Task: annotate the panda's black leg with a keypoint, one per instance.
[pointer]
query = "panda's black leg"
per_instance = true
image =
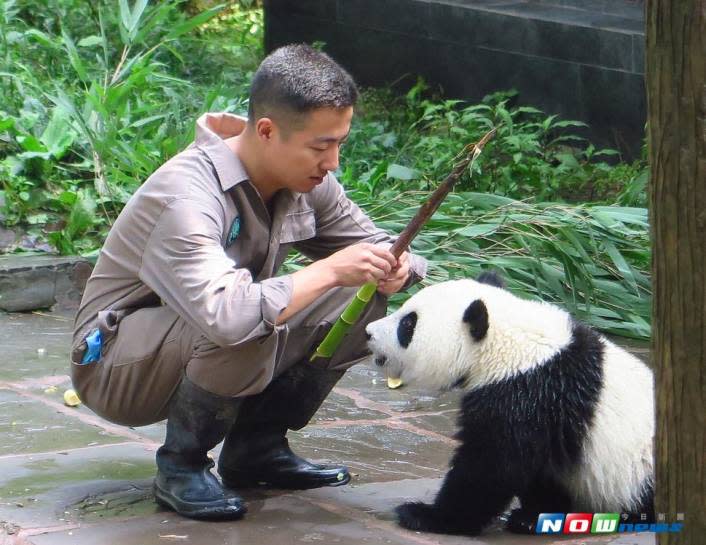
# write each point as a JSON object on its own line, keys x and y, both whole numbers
{"x": 544, "y": 495}
{"x": 647, "y": 504}
{"x": 468, "y": 501}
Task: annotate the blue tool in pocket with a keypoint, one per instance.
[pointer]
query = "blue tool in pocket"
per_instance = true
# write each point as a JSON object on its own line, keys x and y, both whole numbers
{"x": 94, "y": 343}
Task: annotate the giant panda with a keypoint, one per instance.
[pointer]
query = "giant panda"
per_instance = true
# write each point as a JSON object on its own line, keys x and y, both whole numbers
{"x": 552, "y": 412}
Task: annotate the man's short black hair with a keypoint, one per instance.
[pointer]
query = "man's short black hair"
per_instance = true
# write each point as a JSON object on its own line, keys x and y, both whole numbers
{"x": 296, "y": 79}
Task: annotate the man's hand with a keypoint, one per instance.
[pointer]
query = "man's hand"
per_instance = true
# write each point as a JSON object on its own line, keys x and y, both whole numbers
{"x": 394, "y": 281}
{"x": 351, "y": 267}
{"x": 358, "y": 264}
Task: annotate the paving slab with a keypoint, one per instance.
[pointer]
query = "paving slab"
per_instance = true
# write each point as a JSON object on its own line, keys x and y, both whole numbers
{"x": 340, "y": 407}
{"x": 442, "y": 422}
{"x": 69, "y": 477}
{"x": 28, "y": 425}
{"x": 34, "y": 344}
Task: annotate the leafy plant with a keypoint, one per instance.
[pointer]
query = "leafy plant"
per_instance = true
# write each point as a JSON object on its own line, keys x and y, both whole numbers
{"x": 116, "y": 105}
{"x": 532, "y": 155}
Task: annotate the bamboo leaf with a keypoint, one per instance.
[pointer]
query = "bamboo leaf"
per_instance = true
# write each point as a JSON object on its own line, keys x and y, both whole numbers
{"x": 31, "y": 144}
{"x": 147, "y": 120}
{"x": 74, "y": 57}
{"x": 478, "y": 230}
{"x": 136, "y": 15}
{"x": 194, "y": 22}
{"x": 41, "y": 37}
{"x": 90, "y": 41}
{"x": 622, "y": 265}
{"x": 58, "y": 134}
{"x": 400, "y": 172}
{"x": 125, "y": 15}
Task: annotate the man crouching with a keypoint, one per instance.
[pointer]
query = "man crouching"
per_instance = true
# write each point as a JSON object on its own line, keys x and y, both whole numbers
{"x": 184, "y": 317}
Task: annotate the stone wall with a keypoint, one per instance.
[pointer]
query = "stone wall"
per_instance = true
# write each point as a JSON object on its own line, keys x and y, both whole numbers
{"x": 581, "y": 59}
{"x": 41, "y": 282}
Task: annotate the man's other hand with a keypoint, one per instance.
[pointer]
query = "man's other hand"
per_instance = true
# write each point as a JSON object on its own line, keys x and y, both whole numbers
{"x": 396, "y": 278}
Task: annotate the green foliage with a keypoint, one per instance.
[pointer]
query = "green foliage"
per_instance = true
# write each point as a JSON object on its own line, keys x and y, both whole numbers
{"x": 97, "y": 96}
{"x": 532, "y": 156}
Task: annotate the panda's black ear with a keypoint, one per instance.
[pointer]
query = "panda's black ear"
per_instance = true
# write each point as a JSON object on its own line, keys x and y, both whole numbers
{"x": 476, "y": 316}
{"x": 491, "y": 278}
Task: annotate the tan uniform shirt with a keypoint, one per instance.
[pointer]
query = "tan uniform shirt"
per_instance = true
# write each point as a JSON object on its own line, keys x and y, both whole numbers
{"x": 197, "y": 236}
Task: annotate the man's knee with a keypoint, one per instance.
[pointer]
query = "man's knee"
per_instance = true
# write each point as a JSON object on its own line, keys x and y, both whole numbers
{"x": 129, "y": 395}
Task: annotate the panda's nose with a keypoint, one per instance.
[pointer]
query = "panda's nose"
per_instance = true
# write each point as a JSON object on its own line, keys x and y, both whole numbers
{"x": 368, "y": 336}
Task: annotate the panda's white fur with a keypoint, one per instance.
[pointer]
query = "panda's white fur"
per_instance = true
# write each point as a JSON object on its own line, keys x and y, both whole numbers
{"x": 618, "y": 459}
{"x": 615, "y": 467}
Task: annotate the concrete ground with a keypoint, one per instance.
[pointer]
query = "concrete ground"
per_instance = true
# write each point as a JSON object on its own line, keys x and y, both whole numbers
{"x": 69, "y": 477}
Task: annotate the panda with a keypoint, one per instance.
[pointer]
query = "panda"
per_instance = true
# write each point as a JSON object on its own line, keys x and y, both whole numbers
{"x": 552, "y": 412}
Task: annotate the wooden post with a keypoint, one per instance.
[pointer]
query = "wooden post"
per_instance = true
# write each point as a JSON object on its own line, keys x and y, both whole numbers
{"x": 676, "y": 91}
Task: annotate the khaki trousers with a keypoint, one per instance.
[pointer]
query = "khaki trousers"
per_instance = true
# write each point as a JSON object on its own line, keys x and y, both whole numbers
{"x": 146, "y": 352}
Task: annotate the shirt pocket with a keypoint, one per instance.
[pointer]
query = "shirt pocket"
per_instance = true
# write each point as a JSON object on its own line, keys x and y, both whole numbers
{"x": 296, "y": 226}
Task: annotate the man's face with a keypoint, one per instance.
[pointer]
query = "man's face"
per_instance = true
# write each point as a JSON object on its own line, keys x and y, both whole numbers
{"x": 300, "y": 159}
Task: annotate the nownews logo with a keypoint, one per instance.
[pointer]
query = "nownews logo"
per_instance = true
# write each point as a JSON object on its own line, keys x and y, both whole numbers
{"x": 598, "y": 523}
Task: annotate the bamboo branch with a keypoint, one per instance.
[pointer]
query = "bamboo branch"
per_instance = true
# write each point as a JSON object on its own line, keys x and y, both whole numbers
{"x": 425, "y": 212}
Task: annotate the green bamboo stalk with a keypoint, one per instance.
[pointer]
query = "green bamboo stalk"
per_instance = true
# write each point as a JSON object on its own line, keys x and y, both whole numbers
{"x": 349, "y": 317}
{"x": 355, "y": 308}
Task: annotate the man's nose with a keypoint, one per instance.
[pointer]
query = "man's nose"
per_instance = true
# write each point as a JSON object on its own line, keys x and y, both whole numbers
{"x": 330, "y": 161}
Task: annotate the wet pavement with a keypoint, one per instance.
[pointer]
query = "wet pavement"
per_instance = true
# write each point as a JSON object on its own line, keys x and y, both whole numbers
{"x": 69, "y": 477}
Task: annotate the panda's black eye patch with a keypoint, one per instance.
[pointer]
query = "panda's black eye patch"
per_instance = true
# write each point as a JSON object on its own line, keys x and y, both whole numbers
{"x": 405, "y": 329}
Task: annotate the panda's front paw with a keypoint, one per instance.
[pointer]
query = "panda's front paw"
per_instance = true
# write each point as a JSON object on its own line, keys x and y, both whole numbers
{"x": 417, "y": 516}
{"x": 422, "y": 517}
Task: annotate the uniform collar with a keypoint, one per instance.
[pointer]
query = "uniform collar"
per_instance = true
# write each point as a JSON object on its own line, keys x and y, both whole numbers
{"x": 211, "y": 131}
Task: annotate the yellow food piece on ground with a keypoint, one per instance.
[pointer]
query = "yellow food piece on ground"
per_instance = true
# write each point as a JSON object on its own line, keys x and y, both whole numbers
{"x": 71, "y": 398}
{"x": 394, "y": 382}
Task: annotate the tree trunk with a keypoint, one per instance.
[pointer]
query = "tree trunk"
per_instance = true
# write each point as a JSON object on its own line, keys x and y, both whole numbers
{"x": 676, "y": 93}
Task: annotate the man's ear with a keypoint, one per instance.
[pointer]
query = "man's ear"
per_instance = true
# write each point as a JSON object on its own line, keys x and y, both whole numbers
{"x": 476, "y": 316}
{"x": 265, "y": 128}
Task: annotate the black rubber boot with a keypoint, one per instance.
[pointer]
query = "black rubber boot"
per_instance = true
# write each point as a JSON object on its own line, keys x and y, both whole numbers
{"x": 197, "y": 421}
{"x": 256, "y": 452}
